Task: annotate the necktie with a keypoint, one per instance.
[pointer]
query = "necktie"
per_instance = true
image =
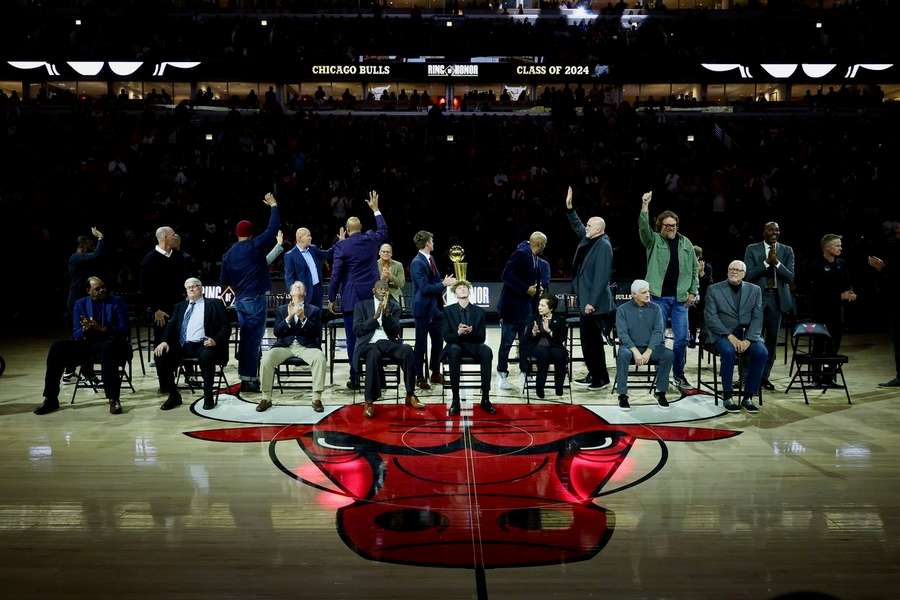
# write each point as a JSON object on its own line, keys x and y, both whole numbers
{"x": 184, "y": 323}
{"x": 434, "y": 270}
{"x": 464, "y": 316}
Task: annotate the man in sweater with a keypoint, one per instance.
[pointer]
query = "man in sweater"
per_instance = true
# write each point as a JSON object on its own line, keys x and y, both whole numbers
{"x": 246, "y": 272}
{"x": 592, "y": 268}
{"x": 673, "y": 273}
{"x": 162, "y": 280}
{"x": 639, "y": 324}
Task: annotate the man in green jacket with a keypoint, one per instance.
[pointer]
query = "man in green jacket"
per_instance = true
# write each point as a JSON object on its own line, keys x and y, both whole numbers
{"x": 673, "y": 273}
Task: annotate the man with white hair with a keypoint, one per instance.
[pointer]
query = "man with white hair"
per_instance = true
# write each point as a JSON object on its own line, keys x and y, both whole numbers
{"x": 733, "y": 317}
{"x": 162, "y": 278}
{"x": 641, "y": 330}
{"x": 298, "y": 327}
{"x": 199, "y": 328}
{"x": 591, "y": 270}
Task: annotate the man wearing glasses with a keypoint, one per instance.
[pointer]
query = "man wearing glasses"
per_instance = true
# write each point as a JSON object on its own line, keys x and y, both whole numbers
{"x": 673, "y": 274}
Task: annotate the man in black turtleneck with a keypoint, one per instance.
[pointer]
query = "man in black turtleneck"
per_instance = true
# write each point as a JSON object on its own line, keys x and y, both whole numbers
{"x": 733, "y": 317}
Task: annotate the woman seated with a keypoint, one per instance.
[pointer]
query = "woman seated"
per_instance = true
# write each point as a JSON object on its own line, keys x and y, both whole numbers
{"x": 548, "y": 344}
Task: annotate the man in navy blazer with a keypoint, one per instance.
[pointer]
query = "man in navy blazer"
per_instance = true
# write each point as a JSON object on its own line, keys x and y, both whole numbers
{"x": 770, "y": 265}
{"x": 303, "y": 263}
{"x": 100, "y": 329}
{"x": 353, "y": 272}
{"x": 522, "y": 280}
{"x": 733, "y": 317}
{"x": 427, "y": 308}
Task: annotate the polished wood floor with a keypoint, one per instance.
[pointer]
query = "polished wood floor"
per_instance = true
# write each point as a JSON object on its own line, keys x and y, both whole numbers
{"x": 100, "y": 506}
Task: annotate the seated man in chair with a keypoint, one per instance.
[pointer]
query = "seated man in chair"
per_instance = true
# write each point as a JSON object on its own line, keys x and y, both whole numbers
{"x": 198, "y": 328}
{"x": 463, "y": 331}
{"x": 100, "y": 329}
{"x": 376, "y": 324}
{"x": 733, "y": 316}
{"x": 641, "y": 330}
{"x": 298, "y": 327}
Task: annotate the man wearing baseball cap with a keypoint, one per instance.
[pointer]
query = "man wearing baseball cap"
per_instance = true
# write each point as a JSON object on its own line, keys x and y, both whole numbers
{"x": 246, "y": 272}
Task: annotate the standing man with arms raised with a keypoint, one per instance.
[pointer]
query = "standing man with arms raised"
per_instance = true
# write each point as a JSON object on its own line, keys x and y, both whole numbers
{"x": 246, "y": 272}
{"x": 303, "y": 263}
{"x": 354, "y": 273}
{"x": 770, "y": 265}
{"x": 591, "y": 270}
{"x": 673, "y": 273}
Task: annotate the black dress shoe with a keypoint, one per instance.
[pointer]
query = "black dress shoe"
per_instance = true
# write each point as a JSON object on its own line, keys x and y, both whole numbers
{"x": 453, "y": 410}
{"x": 250, "y": 387}
{"x": 173, "y": 401}
{"x": 115, "y": 407}
{"x": 208, "y": 403}
{"x": 487, "y": 407}
{"x": 353, "y": 385}
{"x": 539, "y": 392}
{"x": 47, "y": 407}
{"x": 767, "y": 385}
{"x": 895, "y": 382}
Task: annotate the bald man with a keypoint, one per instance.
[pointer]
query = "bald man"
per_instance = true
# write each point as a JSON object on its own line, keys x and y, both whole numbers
{"x": 303, "y": 263}
{"x": 521, "y": 285}
{"x": 162, "y": 279}
{"x": 591, "y": 270}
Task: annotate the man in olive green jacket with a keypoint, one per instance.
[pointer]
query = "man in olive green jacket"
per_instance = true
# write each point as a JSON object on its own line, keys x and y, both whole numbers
{"x": 673, "y": 274}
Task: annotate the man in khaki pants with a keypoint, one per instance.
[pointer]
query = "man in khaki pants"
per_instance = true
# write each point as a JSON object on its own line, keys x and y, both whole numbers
{"x": 298, "y": 327}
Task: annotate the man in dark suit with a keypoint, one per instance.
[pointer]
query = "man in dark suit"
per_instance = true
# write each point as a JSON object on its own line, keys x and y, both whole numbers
{"x": 733, "y": 317}
{"x": 198, "y": 328}
{"x": 770, "y": 265}
{"x": 303, "y": 263}
{"x": 354, "y": 272}
{"x": 464, "y": 332}
{"x": 592, "y": 269}
{"x": 518, "y": 302}
{"x": 298, "y": 327}
{"x": 376, "y": 322}
{"x": 427, "y": 303}
{"x": 100, "y": 329}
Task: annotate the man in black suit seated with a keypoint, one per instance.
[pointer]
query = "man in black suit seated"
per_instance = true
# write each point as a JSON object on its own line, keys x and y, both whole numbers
{"x": 100, "y": 329}
{"x": 376, "y": 324}
{"x": 298, "y": 327}
{"x": 464, "y": 333}
{"x": 198, "y": 328}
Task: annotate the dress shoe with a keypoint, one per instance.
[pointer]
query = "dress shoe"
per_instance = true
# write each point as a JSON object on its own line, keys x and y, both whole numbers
{"x": 895, "y": 382}
{"x": 115, "y": 407}
{"x": 454, "y": 409}
{"x": 369, "y": 411}
{"x": 661, "y": 399}
{"x": 539, "y": 392}
{"x": 209, "y": 403}
{"x": 318, "y": 406}
{"x": 353, "y": 385}
{"x": 437, "y": 378}
{"x": 264, "y": 405}
{"x": 422, "y": 384}
{"x": 172, "y": 401}
{"x": 412, "y": 401}
{"x": 623, "y": 402}
{"x": 747, "y": 404}
{"x": 767, "y": 385}
{"x": 250, "y": 387}
{"x": 487, "y": 407}
{"x": 47, "y": 407}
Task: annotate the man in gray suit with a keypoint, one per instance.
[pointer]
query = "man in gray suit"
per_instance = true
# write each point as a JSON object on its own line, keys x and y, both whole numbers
{"x": 770, "y": 265}
{"x": 734, "y": 319}
{"x": 592, "y": 268}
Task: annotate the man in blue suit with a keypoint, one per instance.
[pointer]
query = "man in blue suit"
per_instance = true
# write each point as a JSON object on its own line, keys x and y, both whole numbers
{"x": 354, "y": 271}
{"x": 427, "y": 306}
{"x": 522, "y": 282}
{"x": 100, "y": 329}
{"x": 303, "y": 263}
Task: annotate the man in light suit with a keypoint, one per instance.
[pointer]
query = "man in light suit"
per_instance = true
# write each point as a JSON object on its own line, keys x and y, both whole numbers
{"x": 592, "y": 269}
{"x": 427, "y": 304}
{"x": 517, "y": 306}
{"x": 733, "y": 317}
{"x": 376, "y": 322}
{"x": 353, "y": 271}
{"x": 198, "y": 328}
{"x": 464, "y": 332}
{"x": 303, "y": 263}
{"x": 770, "y": 265}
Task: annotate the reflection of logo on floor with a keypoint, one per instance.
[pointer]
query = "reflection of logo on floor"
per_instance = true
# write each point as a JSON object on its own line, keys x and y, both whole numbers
{"x": 512, "y": 489}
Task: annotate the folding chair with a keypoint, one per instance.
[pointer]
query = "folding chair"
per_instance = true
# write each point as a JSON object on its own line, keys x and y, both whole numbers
{"x": 713, "y": 353}
{"x": 818, "y": 366}
{"x": 469, "y": 375}
{"x": 94, "y": 382}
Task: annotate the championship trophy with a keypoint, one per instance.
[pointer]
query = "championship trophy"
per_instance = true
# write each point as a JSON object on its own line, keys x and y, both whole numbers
{"x": 457, "y": 256}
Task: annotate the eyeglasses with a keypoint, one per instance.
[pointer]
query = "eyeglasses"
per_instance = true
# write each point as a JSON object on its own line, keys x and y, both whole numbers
{"x": 736, "y": 270}
{"x": 669, "y": 225}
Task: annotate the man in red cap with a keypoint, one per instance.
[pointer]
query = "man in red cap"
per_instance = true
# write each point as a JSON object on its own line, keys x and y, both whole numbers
{"x": 245, "y": 270}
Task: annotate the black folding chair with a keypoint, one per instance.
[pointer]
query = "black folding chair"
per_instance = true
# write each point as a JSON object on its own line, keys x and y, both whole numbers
{"x": 818, "y": 366}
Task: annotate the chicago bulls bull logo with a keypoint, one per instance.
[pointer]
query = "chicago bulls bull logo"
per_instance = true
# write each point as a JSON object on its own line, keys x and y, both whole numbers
{"x": 512, "y": 489}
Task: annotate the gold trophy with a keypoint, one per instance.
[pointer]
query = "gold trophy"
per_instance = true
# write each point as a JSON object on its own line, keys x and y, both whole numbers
{"x": 457, "y": 256}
